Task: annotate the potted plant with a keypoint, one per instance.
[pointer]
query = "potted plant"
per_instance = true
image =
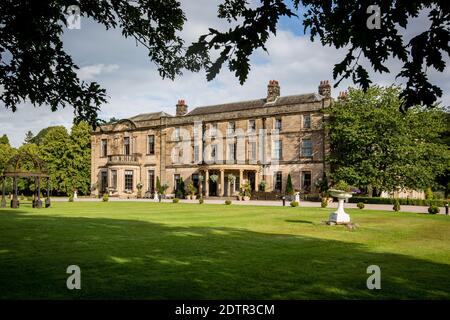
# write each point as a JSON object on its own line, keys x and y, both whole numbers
{"x": 139, "y": 190}
{"x": 289, "y": 188}
{"x": 192, "y": 190}
{"x": 262, "y": 186}
{"x": 240, "y": 196}
{"x": 161, "y": 188}
{"x": 214, "y": 177}
{"x": 246, "y": 190}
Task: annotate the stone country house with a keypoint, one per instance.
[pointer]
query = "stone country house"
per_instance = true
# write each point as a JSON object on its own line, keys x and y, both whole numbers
{"x": 219, "y": 146}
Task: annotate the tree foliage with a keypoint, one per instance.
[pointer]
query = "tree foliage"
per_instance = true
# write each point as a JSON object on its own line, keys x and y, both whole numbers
{"x": 289, "y": 186}
{"x": 374, "y": 144}
{"x": 35, "y": 67}
{"x": 341, "y": 24}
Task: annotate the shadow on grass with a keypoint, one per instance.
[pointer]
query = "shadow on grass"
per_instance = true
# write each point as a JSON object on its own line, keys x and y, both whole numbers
{"x": 131, "y": 259}
{"x": 300, "y": 221}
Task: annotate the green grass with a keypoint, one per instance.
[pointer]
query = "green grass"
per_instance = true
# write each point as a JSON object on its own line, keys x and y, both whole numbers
{"x": 141, "y": 250}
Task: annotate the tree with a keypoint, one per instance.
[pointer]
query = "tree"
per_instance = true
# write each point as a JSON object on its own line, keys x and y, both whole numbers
{"x": 4, "y": 139}
{"x": 35, "y": 67}
{"x": 79, "y": 157}
{"x": 54, "y": 149}
{"x": 375, "y": 145}
{"x": 342, "y": 24}
{"x": 289, "y": 187}
{"x": 28, "y": 137}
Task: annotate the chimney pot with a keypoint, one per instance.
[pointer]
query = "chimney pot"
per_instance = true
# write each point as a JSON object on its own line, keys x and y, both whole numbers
{"x": 182, "y": 108}
{"x": 325, "y": 88}
{"x": 273, "y": 90}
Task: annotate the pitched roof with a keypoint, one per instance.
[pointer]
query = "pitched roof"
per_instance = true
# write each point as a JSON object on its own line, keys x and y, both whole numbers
{"x": 254, "y": 104}
{"x": 150, "y": 116}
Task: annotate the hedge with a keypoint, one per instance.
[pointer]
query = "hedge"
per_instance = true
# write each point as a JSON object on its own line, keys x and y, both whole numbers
{"x": 403, "y": 202}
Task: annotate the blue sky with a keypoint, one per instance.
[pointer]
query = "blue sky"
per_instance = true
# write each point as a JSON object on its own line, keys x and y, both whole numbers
{"x": 134, "y": 86}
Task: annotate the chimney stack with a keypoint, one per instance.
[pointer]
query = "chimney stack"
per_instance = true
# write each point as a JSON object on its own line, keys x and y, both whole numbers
{"x": 325, "y": 89}
{"x": 273, "y": 91}
{"x": 343, "y": 96}
{"x": 182, "y": 108}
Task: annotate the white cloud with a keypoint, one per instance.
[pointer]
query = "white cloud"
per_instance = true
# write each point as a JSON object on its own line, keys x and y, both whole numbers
{"x": 93, "y": 71}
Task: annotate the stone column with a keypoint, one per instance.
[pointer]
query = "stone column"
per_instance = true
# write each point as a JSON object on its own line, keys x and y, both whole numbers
{"x": 206, "y": 183}
{"x": 257, "y": 180}
{"x": 222, "y": 183}
{"x": 241, "y": 178}
{"x": 39, "y": 201}
{"x": 3, "y": 203}
{"x": 15, "y": 200}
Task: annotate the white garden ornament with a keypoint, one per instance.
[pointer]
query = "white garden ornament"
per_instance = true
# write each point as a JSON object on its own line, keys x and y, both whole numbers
{"x": 340, "y": 216}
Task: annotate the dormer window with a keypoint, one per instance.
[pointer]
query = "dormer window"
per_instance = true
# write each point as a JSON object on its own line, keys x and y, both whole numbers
{"x": 213, "y": 130}
{"x": 231, "y": 127}
{"x": 126, "y": 146}
{"x": 251, "y": 125}
{"x": 278, "y": 124}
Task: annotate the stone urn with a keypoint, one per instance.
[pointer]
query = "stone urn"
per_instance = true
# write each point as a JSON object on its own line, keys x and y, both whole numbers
{"x": 340, "y": 216}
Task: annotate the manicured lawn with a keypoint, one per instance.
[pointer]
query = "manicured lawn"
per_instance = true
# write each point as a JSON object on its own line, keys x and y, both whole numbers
{"x": 188, "y": 251}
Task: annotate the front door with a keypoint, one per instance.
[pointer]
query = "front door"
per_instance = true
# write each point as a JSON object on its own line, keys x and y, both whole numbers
{"x": 104, "y": 181}
{"x": 251, "y": 180}
{"x": 212, "y": 188}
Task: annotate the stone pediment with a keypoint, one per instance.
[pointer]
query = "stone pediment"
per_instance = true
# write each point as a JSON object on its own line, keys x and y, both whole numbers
{"x": 124, "y": 125}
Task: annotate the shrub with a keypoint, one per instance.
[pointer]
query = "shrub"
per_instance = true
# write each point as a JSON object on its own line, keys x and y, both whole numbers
{"x": 175, "y": 200}
{"x": 360, "y": 205}
{"x": 289, "y": 186}
{"x": 294, "y": 204}
{"x": 433, "y": 209}
{"x": 227, "y": 202}
{"x": 396, "y": 206}
{"x": 105, "y": 197}
{"x": 342, "y": 186}
{"x": 429, "y": 194}
{"x": 324, "y": 203}
{"x": 200, "y": 201}
{"x": 262, "y": 186}
{"x": 71, "y": 198}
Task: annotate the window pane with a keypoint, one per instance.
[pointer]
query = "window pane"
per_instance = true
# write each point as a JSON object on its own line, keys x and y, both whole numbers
{"x": 151, "y": 181}
{"x": 306, "y": 121}
{"x": 306, "y": 181}
{"x": 151, "y": 144}
{"x": 129, "y": 180}
{"x": 306, "y": 148}
{"x": 114, "y": 179}
{"x": 126, "y": 142}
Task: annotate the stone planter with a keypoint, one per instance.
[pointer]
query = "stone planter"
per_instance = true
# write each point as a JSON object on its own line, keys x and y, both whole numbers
{"x": 194, "y": 197}
{"x": 340, "y": 216}
{"x": 246, "y": 198}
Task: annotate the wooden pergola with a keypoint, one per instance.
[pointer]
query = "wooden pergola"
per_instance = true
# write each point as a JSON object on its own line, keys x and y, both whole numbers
{"x": 17, "y": 169}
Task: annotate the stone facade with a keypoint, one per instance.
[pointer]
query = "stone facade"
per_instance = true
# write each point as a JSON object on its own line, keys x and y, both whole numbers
{"x": 244, "y": 142}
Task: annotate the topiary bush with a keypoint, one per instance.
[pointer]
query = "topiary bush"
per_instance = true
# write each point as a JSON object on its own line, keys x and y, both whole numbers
{"x": 200, "y": 201}
{"x": 71, "y": 198}
{"x": 324, "y": 203}
{"x": 396, "y": 206}
{"x": 227, "y": 202}
{"x": 433, "y": 210}
{"x": 175, "y": 200}
{"x": 105, "y": 197}
{"x": 360, "y": 205}
{"x": 294, "y": 204}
